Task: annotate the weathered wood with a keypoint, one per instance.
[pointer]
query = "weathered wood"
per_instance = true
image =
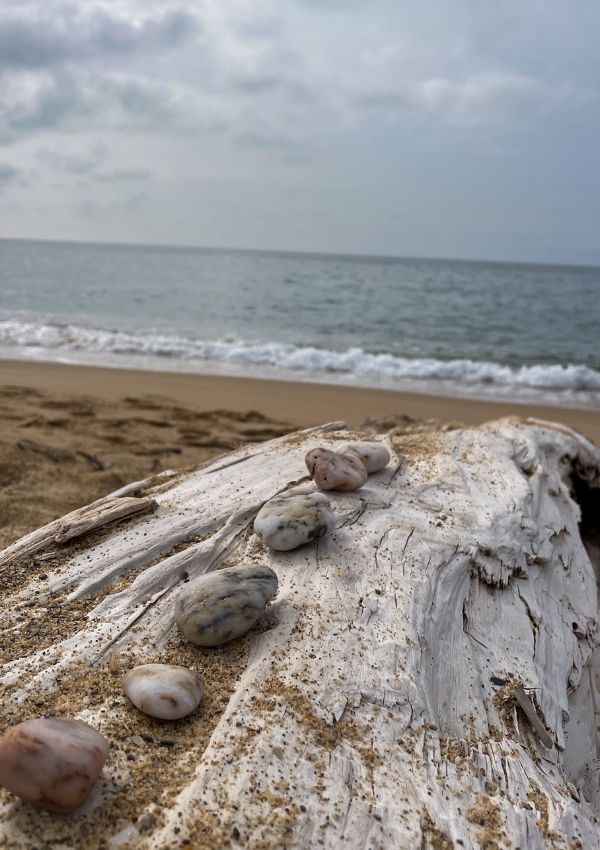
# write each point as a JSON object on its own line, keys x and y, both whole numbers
{"x": 430, "y": 677}
{"x": 109, "y": 512}
{"x": 34, "y": 543}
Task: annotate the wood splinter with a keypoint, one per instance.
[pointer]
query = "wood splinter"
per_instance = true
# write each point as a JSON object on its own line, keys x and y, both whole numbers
{"x": 525, "y": 703}
{"x": 95, "y": 517}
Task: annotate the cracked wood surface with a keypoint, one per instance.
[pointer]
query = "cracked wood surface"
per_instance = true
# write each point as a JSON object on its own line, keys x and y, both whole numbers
{"x": 427, "y": 677}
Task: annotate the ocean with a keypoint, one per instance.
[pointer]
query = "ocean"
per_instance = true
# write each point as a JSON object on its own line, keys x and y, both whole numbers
{"x": 527, "y": 333}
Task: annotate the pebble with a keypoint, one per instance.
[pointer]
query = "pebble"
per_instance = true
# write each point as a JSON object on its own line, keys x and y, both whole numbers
{"x": 375, "y": 456}
{"x": 335, "y": 471}
{"x": 52, "y": 762}
{"x": 165, "y": 691}
{"x": 223, "y": 605}
{"x": 293, "y": 519}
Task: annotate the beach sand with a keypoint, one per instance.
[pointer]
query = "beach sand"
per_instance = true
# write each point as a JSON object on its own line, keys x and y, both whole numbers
{"x": 70, "y": 434}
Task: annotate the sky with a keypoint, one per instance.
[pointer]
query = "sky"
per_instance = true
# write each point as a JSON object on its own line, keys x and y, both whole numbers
{"x": 466, "y": 129}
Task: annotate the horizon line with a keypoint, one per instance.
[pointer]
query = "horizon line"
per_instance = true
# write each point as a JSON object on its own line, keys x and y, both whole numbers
{"x": 295, "y": 252}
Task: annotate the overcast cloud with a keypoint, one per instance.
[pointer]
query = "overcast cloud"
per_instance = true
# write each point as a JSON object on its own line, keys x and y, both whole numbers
{"x": 463, "y": 129}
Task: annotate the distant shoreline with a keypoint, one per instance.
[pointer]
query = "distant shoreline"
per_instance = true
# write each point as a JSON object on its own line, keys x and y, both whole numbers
{"x": 301, "y": 402}
{"x": 297, "y": 252}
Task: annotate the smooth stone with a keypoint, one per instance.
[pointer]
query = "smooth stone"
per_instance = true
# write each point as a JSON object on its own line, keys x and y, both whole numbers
{"x": 293, "y": 519}
{"x": 52, "y": 762}
{"x": 166, "y": 691}
{"x": 375, "y": 456}
{"x": 334, "y": 470}
{"x": 223, "y": 605}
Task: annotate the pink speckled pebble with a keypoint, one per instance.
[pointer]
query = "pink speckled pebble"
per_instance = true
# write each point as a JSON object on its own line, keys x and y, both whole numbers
{"x": 334, "y": 471}
{"x": 52, "y": 762}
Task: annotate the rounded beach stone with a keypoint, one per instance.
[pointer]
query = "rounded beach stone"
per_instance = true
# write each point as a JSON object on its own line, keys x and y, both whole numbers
{"x": 293, "y": 519}
{"x": 223, "y": 605}
{"x": 52, "y": 762}
{"x": 335, "y": 471}
{"x": 375, "y": 456}
{"x": 165, "y": 691}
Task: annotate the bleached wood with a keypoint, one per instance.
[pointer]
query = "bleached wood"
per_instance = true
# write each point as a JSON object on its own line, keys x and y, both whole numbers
{"x": 435, "y": 658}
{"x": 88, "y": 518}
{"x": 91, "y": 519}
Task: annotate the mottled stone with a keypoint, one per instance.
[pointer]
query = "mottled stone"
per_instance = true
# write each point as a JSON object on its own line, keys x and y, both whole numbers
{"x": 52, "y": 762}
{"x": 335, "y": 471}
{"x": 221, "y": 606}
{"x": 293, "y": 519}
{"x": 375, "y": 456}
{"x": 166, "y": 691}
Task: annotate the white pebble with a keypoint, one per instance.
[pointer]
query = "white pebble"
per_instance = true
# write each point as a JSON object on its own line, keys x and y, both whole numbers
{"x": 375, "y": 456}
{"x": 166, "y": 691}
{"x": 293, "y": 519}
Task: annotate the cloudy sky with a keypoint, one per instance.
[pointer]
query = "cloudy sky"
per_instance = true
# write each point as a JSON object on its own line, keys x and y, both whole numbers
{"x": 455, "y": 129}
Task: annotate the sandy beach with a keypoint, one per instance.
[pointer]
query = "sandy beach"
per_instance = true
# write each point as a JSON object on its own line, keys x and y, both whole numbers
{"x": 73, "y": 433}
{"x": 302, "y": 404}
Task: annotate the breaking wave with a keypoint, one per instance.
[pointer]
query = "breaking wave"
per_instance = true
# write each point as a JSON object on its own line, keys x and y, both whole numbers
{"x": 352, "y": 363}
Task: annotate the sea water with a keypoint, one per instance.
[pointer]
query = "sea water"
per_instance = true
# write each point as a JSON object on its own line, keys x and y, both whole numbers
{"x": 497, "y": 330}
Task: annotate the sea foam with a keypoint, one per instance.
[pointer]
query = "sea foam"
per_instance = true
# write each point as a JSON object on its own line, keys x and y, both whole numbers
{"x": 354, "y": 363}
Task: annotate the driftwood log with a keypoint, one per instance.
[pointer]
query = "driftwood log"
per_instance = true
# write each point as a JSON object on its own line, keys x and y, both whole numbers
{"x": 428, "y": 676}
